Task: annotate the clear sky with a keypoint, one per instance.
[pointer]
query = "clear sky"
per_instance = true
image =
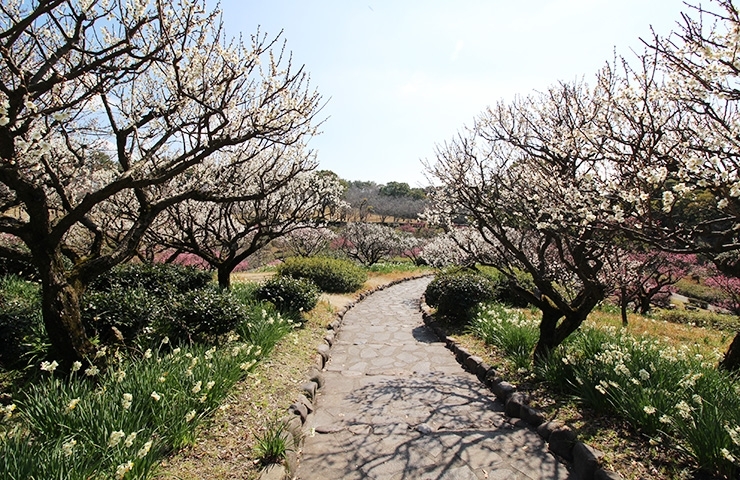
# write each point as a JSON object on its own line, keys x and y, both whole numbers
{"x": 402, "y": 76}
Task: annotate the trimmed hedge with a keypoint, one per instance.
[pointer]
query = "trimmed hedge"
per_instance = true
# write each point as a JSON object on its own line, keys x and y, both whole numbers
{"x": 160, "y": 279}
{"x": 455, "y": 294}
{"x": 134, "y": 296}
{"x": 290, "y": 295}
{"x": 202, "y": 316}
{"x": 329, "y": 274}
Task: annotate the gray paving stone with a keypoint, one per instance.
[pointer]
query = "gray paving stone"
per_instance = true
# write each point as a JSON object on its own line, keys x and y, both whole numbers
{"x": 396, "y": 405}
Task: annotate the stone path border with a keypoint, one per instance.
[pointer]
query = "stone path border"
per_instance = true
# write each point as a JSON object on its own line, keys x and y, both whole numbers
{"x": 562, "y": 441}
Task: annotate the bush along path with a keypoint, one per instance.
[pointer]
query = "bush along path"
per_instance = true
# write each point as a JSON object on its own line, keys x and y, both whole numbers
{"x": 395, "y": 403}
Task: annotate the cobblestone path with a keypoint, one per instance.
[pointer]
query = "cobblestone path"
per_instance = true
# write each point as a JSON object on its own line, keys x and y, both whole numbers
{"x": 397, "y": 405}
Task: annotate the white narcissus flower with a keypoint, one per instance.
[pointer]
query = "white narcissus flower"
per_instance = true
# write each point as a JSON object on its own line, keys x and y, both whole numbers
{"x": 115, "y": 438}
{"x": 49, "y": 366}
{"x": 73, "y": 404}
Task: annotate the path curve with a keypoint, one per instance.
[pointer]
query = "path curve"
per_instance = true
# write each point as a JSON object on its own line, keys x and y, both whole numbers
{"x": 397, "y": 405}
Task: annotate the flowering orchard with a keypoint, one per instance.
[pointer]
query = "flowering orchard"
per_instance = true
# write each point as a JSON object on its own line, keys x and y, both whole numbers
{"x": 369, "y": 243}
{"x": 113, "y": 112}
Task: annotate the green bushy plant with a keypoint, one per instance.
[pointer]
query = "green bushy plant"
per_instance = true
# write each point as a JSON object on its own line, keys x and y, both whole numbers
{"x": 330, "y": 274}
{"x": 134, "y": 296}
{"x": 290, "y": 295}
{"x": 119, "y": 425}
{"x": 20, "y": 319}
{"x": 128, "y": 310}
{"x": 700, "y": 318}
{"x": 245, "y": 292}
{"x": 502, "y": 286}
{"x": 202, "y": 315}
{"x": 160, "y": 279}
{"x": 456, "y": 293}
{"x": 671, "y": 394}
{"x": 676, "y": 396}
{"x": 272, "y": 445}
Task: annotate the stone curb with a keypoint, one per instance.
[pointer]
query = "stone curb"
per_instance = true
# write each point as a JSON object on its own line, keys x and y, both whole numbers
{"x": 298, "y": 412}
{"x": 561, "y": 440}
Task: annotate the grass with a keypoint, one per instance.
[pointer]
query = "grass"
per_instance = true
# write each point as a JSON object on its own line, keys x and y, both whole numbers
{"x": 273, "y": 445}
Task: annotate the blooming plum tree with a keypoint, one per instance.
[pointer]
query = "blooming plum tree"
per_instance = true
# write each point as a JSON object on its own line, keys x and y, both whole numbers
{"x": 110, "y": 104}
{"x": 369, "y": 243}
{"x": 224, "y": 234}
{"x": 699, "y": 65}
{"x": 639, "y": 277}
{"x": 524, "y": 176}
{"x": 308, "y": 241}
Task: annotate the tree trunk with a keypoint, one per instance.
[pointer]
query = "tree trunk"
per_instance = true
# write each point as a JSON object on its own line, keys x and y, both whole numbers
{"x": 223, "y": 273}
{"x": 645, "y": 305}
{"x": 548, "y": 329}
{"x": 731, "y": 362}
{"x": 623, "y": 304}
{"x": 552, "y": 334}
{"x": 62, "y": 318}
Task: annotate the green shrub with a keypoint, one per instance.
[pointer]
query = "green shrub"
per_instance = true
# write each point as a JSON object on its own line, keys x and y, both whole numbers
{"x": 128, "y": 310}
{"x": 134, "y": 296}
{"x": 502, "y": 285}
{"x": 456, "y": 293}
{"x": 20, "y": 319}
{"x": 290, "y": 295}
{"x": 159, "y": 279}
{"x": 330, "y": 274}
{"x": 700, "y": 318}
{"x": 202, "y": 315}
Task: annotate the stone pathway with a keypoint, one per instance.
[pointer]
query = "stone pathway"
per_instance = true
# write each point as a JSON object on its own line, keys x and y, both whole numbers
{"x": 397, "y": 405}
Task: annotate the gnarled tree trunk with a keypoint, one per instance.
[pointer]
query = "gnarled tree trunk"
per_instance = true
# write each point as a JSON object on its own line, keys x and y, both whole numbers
{"x": 60, "y": 306}
{"x": 223, "y": 273}
{"x": 553, "y": 331}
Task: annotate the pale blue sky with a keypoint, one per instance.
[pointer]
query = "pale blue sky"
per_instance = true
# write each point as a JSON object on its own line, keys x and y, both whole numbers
{"x": 403, "y": 75}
